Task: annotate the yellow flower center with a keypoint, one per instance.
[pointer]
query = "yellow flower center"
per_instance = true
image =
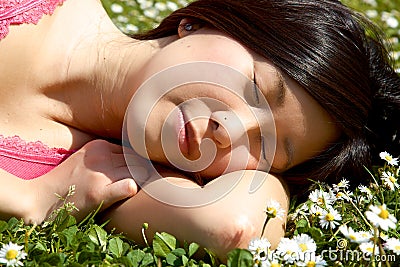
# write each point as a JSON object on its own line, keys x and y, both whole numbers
{"x": 370, "y": 249}
{"x": 384, "y": 213}
{"x": 388, "y": 158}
{"x": 303, "y": 247}
{"x": 392, "y": 179}
{"x": 311, "y": 264}
{"x": 11, "y": 254}
{"x": 275, "y": 264}
{"x": 272, "y": 211}
{"x": 320, "y": 201}
{"x": 352, "y": 237}
{"x": 329, "y": 217}
{"x": 397, "y": 248}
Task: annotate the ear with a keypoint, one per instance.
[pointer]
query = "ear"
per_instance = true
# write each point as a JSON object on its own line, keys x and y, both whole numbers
{"x": 188, "y": 26}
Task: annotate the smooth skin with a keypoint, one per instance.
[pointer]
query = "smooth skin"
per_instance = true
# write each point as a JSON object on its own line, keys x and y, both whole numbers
{"x": 68, "y": 80}
{"x": 230, "y": 222}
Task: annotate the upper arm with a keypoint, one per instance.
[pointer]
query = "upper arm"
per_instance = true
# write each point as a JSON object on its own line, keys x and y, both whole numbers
{"x": 226, "y": 222}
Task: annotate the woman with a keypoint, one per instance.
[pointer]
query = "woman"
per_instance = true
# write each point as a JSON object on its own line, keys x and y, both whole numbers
{"x": 67, "y": 88}
{"x": 66, "y": 82}
{"x": 313, "y": 46}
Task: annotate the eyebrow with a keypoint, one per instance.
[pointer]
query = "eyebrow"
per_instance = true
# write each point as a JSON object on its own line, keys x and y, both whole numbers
{"x": 289, "y": 150}
{"x": 281, "y": 89}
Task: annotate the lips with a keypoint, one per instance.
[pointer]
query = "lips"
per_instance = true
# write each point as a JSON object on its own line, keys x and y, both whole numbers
{"x": 182, "y": 133}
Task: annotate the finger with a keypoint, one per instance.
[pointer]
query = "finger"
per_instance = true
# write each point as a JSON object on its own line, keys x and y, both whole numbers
{"x": 136, "y": 172}
{"x": 120, "y": 190}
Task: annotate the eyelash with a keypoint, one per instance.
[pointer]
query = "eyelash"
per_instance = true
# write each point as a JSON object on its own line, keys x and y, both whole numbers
{"x": 263, "y": 153}
{"x": 257, "y": 101}
{"x": 255, "y": 90}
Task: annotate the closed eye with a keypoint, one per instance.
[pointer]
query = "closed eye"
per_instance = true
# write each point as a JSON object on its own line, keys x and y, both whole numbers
{"x": 265, "y": 164}
{"x": 263, "y": 148}
{"x": 255, "y": 91}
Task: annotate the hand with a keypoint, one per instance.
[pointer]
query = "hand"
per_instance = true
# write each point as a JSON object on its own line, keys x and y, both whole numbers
{"x": 99, "y": 173}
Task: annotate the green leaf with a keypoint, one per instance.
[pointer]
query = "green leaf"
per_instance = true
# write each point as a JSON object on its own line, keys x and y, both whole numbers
{"x": 86, "y": 256}
{"x": 64, "y": 220}
{"x": 172, "y": 260}
{"x": 193, "y": 247}
{"x": 301, "y": 223}
{"x": 163, "y": 244}
{"x": 3, "y": 226}
{"x": 67, "y": 235}
{"x": 115, "y": 246}
{"x": 240, "y": 257}
{"x": 168, "y": 239}
{"x": 13, "y": 224}
{"x": 184, "y": 260}
{"x": 136, "y": 256}
{"x": 54, "y": 259}
{"x": 178, "y": 252}
{"x": 316, "y": 234}
{"x": 98, "y": 236}
{"x": 147, "y": 259}
{"x": 212, "y": 256}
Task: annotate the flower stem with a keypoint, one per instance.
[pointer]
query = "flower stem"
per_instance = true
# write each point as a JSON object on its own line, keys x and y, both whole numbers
{"x": 265, "y": 224}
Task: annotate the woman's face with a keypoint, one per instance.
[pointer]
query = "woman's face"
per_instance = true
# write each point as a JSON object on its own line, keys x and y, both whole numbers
{"x": 292, "y": 124}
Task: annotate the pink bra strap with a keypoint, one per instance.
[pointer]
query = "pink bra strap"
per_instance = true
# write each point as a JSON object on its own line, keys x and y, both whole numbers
{"x": 20, "y": 9}
{"x": 24, "y": 11}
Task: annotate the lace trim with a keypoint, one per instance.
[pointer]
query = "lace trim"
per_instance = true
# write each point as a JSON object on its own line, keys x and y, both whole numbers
{"x": 24, "y": 11}
{"x": 19, "y": 146}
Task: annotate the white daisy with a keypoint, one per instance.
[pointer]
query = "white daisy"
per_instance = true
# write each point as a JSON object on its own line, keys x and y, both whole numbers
{"x": 345, "y": 195}
{"x": 316, "y": 210}
{"x": 368, "y": 248}
{"x": 389, "y": 180}
{"x": 393, "y": 244}
{"x": 343, "y": 184}
{"x": 274, "y": 209}
{"x": 321, "y": 198}
{"x": 382, "y": 235}
{"x": 173, "y": 6}
{"x": 288, "y": 250}
{"x": 365, "y": 190}
{"x": 356, "y": 237}
{"x": 11, "y": 255}
{"x": 302, "y": 210}
{"x": 260, "y": 248}
{"x": 273, "y": 263}
{"x": 379, "y": 216}
{"x": 329, "y": 218}
{"x": 305, "y": 243}
{"x": 311, "y": 259}
{"x": 389, "y": 159}
{"x": 115, "y": 8}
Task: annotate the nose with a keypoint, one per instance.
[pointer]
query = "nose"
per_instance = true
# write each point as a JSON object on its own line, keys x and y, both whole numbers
{"x": 228, "y": 128}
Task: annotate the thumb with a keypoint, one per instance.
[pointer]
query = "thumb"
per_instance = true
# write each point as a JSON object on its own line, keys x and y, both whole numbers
{"x": 120, "y": 190}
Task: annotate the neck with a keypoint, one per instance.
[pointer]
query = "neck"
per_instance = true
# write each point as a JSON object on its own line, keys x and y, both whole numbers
{"x": 117, "y": 71}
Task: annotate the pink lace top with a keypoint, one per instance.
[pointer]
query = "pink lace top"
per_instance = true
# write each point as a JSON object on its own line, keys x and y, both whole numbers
{"x": 24, "y": 11}
{"x": 29, "y": 160}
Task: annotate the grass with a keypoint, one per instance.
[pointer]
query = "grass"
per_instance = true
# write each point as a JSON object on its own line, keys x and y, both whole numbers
{"x": 328, "y": 228}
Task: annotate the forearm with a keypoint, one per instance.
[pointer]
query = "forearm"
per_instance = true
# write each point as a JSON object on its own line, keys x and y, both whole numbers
{"x": 229, "y": 222}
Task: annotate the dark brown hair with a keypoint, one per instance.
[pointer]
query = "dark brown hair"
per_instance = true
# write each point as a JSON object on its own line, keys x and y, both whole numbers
{"x": 336, "y": 54}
